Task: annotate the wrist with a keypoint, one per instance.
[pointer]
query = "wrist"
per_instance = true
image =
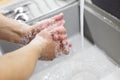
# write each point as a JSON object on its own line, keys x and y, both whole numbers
{"x": 21, "y": 30}
{"x": 38, "y": 45}
{"x": 28, "y": 33}
{"x": 12, "y": 29}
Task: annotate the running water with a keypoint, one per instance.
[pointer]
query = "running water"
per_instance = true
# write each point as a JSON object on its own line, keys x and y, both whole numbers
{"x": 0, "y": 51}
{"x": 82, "y": 22}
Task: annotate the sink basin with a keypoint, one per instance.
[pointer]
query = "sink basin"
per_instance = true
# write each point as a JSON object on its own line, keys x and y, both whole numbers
{"x": 7, "y": 46}
{"x": 75, "y": 40}
{"x": 89, "y": 64}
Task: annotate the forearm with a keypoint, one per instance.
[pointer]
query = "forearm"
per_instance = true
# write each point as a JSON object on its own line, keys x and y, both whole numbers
{"x": 19, "y": 65}
{"x": 11, "y": 30}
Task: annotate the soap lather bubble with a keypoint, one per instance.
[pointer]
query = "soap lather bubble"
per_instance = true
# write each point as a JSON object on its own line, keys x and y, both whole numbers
{"x": 60, "y": 50}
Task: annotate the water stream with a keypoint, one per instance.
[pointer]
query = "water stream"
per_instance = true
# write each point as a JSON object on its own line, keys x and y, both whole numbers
{"x": 82, "y": 22}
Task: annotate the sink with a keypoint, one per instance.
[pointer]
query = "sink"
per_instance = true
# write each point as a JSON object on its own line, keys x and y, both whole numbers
{"x": 89, "y": 64}
{"x": 71, "y": 67}
{"x": 7, "y": 46}
{"x": 75, "y": 40}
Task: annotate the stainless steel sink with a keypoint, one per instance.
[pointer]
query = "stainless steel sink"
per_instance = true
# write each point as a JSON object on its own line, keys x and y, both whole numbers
{"x": 101, "y": 28}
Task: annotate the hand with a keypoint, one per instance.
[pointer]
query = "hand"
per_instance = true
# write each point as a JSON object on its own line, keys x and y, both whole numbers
{"x": 33, "y": 30}
{"x": 51, "y": 39}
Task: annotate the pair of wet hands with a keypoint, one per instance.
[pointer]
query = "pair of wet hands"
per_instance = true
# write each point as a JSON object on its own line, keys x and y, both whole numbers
{"x": 52, "y": 34}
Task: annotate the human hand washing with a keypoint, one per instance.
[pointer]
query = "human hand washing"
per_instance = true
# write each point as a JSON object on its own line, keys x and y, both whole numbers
{"x": 54, "y": 39}
{"x": 44, "y": 40}
{"x": 54, "y": 29}
{"x": 29, "y": 32}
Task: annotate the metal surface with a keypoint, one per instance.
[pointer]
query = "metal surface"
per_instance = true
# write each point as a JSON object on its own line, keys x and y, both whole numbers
{"x": 26, "y": 10}
{"x": 105, "y": 30}
{"x": 110, "y": 6}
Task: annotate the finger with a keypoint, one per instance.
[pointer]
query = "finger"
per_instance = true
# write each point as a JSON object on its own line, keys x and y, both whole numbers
{"x": 64, "y": 42}
{"x": 65, "y": 51}
{"x": 51, "y": 27}
{"x": 59, "y": 37}
{"x": 58, "y": 17}
{"x": 60, "y": 23}
{"x": 66, "y": 47}
{"x": 43, "y": 22}
{"x": 58, "y": 30}
{"x": 62, "y": 37}
{"x": 49, "y": 21}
